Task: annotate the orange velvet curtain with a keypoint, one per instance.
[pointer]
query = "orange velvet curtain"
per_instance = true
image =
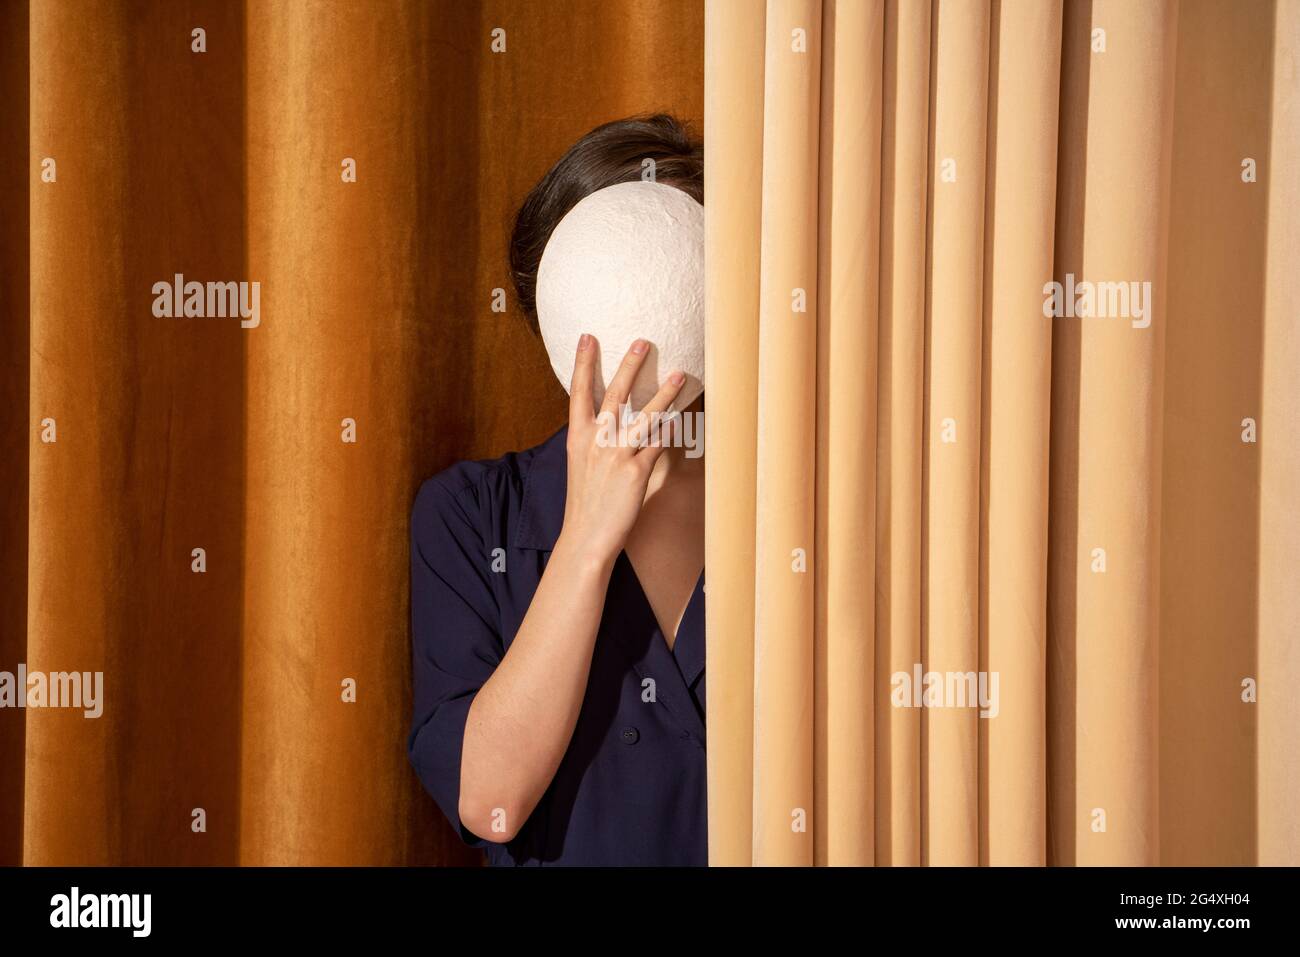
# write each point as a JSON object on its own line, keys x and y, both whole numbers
{"x": 914, "y": 471}
{"x": 225, "y": 689}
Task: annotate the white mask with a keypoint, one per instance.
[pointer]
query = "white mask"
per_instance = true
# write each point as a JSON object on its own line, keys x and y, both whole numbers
{"x": 627, "y": 263}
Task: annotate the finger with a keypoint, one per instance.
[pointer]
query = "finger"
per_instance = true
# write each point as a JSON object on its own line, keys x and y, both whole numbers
{"x": 660, "y": 401}
{"x": 657, "y": 431}
{"x": 650, "y": 454}
{"x": 620, "y": 387}
{"x": 652, "y": 417}
{"x": 581, "y": 407}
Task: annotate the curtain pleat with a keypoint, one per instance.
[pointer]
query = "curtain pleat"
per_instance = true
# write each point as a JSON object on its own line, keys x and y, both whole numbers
{"x": 136, "y": 435}
{"x": 848, "y": 277}
{"x": 1064, "y": 549}
{"x": 1209, "y": 551}
{"x": 1278, "y": 657}
{"x": 784, "y": 527}
{"x": 904, "y": 203}
{"x": 735, "y": 34}
{"x": 1125, "y": 217}
{"x": 1019, "y": 224}
{"x": 954, "y": 306}
{"x": 14, "y": 388}
{"x": 1069, "y": 517}
{"x": 321, "y": 88}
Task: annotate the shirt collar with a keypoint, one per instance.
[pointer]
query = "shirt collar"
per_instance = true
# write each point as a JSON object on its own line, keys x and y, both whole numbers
{"x": 689, "y": 644}
{"x": 541, "y": 515}
{"x": 541, "y": 512}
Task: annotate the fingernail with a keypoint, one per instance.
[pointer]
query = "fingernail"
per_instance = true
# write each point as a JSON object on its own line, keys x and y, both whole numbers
{"x": 677, "y": 378}
{"x": 584, "y": 340}
{"x": 639, "y": 346}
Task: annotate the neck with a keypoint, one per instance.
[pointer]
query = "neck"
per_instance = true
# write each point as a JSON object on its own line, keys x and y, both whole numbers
{"x": 681, "y": 464}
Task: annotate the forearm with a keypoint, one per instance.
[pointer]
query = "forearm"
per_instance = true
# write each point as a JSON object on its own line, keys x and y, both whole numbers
{"x": 523, "y": 717}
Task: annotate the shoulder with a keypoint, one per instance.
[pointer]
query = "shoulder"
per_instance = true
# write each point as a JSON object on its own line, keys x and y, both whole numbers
{"x": 466, "y": 496}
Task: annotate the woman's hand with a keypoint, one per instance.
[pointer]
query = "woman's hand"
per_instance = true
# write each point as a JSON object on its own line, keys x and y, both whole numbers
{"x": 608, "y": 479}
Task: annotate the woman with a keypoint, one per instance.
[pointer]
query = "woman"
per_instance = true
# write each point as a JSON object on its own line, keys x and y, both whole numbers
{"x": 557, "y": 596}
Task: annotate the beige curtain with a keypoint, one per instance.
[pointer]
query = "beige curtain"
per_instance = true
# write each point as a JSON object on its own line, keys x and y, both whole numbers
{"x": 913, "y": 470}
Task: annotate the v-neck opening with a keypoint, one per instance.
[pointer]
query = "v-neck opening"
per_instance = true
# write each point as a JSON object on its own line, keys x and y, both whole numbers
{"x": 678, "y": 671}
{"x": 696, "y": 592}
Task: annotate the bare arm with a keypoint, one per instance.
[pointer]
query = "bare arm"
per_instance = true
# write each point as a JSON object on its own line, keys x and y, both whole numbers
{"x": 522, "y": 719}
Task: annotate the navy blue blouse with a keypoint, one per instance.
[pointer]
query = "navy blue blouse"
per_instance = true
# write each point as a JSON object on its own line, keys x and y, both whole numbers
{"x": 631, "y": 787}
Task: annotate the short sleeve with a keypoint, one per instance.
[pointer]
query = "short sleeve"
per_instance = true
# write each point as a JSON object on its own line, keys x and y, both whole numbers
{"x": 456, "y": 644}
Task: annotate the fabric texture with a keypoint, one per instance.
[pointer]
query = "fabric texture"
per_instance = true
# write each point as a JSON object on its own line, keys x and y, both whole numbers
{"x": 935, "y": 477}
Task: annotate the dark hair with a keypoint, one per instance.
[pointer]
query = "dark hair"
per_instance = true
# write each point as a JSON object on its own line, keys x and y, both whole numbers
{"x": 611, "y": 153}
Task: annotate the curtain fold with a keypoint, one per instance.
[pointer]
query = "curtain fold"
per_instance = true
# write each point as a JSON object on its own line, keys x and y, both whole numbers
{"x": 847, "y": 279}
{"x": 319, "y": 243}
{"x": 256, "y": 694}
{"x": 1019, "y": 232}
{"x": 1278, "y": 788}
{"x": 734, "y": 35}
{"x": 14, "y": 375}
{"x": 1125, "y": 217}
{"x": 1042, "y": 445}
{"x": 135, "y": 429}
{"x": 950, "y": 493}
{"x": 901, "y": 394}
{"x": 784, "y": 530}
